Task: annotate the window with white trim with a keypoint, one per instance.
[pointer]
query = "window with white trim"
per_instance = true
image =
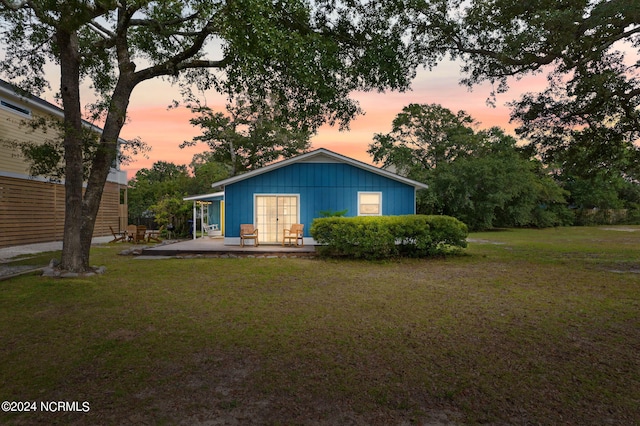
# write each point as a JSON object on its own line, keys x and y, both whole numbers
{"x": 369, "y": 203}
{"x": 10, "y": 106}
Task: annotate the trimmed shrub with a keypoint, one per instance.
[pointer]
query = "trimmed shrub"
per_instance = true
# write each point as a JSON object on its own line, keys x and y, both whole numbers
{"x": 379, "y": 237}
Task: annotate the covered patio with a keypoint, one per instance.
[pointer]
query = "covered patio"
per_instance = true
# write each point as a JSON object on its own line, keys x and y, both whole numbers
{"x": 208, "y": 215}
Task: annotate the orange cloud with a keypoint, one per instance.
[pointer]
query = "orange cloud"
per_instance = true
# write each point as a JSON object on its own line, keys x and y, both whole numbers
{"x": 164, "y": 130}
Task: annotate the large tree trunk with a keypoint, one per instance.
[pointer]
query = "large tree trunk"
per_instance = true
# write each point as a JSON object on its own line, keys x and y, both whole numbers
{"x": 72, "y": 258}
{"x": 104, "y": 158}
{"x": 81, "y": 210}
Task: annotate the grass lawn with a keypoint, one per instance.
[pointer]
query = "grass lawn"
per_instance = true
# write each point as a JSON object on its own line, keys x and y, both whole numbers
{"x": 528, "y": 327}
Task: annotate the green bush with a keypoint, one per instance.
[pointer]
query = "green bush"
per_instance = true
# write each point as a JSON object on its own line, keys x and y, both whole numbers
{"x": 379, "y": 237}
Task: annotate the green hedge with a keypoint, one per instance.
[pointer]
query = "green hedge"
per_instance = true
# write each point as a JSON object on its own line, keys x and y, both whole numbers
{"x": 378, "y": 237}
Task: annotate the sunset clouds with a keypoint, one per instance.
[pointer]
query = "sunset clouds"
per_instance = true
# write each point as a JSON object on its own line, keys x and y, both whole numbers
{"x": 164, "y": 130}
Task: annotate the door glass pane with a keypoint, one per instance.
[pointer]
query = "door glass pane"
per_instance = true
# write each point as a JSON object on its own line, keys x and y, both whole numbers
{"x": 273, "y": 214}
{"x": 266, "y": 214}
{"x": 287, "y": 212}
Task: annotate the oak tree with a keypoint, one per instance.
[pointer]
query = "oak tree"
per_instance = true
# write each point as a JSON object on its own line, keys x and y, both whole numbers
{"x": 308, "y": 55}
{"x": 250, "y": 135}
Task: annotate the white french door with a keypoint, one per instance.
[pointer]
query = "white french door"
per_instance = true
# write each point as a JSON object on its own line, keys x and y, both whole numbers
{"x": 275, "y": 213}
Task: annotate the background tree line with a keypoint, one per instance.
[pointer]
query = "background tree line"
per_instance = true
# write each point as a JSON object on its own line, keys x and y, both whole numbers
{"x": 487, "y": 180}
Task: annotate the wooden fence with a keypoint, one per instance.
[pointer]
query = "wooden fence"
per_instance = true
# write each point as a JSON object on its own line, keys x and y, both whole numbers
{"x": 33, "y": 212}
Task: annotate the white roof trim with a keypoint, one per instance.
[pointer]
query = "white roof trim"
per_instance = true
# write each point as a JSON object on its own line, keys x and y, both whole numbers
{"x": 204, "y": 196}
{"x": 321, "y": 152}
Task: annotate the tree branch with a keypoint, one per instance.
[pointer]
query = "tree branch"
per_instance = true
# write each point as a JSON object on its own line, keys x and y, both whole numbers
{"x": 103, "y": 32}
{"x": 595, "y": 33}
{"x": 182, "y": 60}
{"x": 162, "y": 24}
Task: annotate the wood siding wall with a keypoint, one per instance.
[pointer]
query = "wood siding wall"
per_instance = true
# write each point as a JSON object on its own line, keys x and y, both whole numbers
{"x": 12, "y": 129}
{"x": 321, "y": 186}
{"x": 33, "y": 211}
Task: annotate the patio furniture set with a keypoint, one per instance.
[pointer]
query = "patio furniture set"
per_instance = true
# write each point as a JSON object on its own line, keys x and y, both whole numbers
{"x": 136, "y": 234}
{"x": 291, "y": 235}
{"x": 140, "y": 233}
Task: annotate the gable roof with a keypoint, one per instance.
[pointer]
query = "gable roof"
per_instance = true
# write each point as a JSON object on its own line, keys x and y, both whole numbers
{"x": 321, "y": 155}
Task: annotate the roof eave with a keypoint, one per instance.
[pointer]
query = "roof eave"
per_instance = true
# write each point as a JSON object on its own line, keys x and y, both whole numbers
{"x": 203, "y": 196}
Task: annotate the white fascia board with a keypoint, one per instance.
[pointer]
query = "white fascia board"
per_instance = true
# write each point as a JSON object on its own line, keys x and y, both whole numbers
{"x": 203, "y": 196}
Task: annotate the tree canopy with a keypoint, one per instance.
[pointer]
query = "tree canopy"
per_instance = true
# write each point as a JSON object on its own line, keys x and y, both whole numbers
{"x": 251, "y": 135}
{"x": 479, "y": 177}
{"x": 149, "y": 186}
{"x": 156, "y": 195}
{"x": 588, "y": 49}
{"x": 584, "y": 41}
{"x": 423, "y": 137}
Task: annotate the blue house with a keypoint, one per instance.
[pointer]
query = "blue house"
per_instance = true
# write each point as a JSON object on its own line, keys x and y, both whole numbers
{"x": 296, "y": 190}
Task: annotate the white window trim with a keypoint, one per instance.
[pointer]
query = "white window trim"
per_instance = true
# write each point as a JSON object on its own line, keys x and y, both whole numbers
{"x": 368, "y": 193}
{"x": 15, "y": 108}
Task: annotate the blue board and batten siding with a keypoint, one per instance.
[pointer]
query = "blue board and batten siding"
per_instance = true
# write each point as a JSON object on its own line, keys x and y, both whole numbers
{"x": 321, "y": 186}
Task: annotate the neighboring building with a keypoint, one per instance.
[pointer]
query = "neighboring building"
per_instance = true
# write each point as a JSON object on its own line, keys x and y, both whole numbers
{"x": 298, "y": 189}
{"x": 32, "y": 208}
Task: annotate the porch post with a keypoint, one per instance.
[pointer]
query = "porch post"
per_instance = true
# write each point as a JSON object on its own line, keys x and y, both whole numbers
{"x": 201, "y": 219}
{"x": 194, "y": 220}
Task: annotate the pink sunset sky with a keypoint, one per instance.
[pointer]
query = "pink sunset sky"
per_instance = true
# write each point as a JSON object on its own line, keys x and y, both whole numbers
{"x": 165, "y": 129}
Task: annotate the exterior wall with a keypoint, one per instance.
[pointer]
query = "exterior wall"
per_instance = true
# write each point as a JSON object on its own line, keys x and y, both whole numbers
{"x": 11, "y": 160}
{"x": 321, "y": 186}
{"x": 32, "y": 209}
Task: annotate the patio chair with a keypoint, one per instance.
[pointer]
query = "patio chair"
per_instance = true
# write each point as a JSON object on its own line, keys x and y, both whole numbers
{"x": 248, "y": 232}
{"x": 295, "y": 233}
{"x": 139, "y": 236}
{"x": 131, "y": 232}
{"x": 117, "y": 236}
{"x": 154, "y": 235}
